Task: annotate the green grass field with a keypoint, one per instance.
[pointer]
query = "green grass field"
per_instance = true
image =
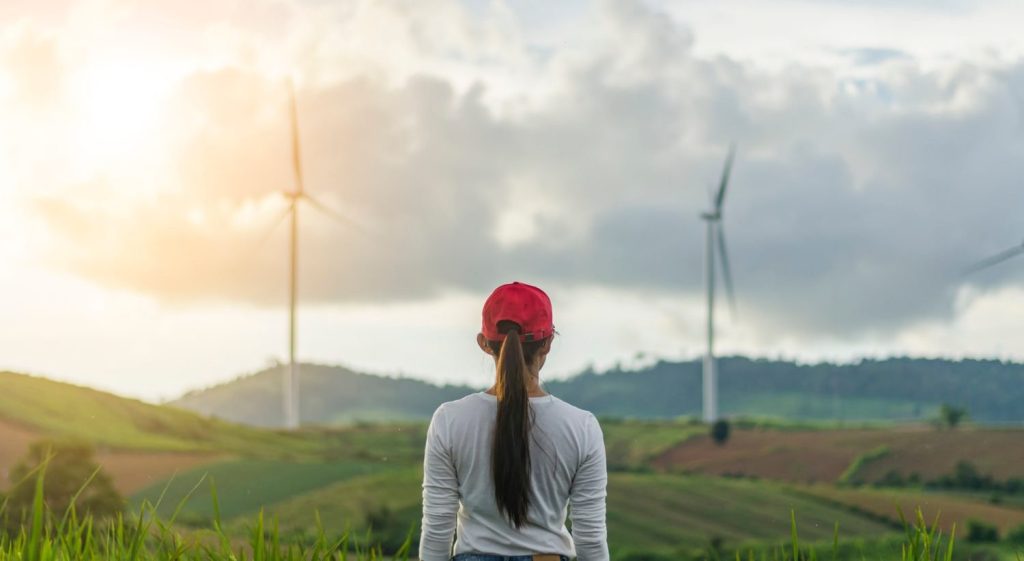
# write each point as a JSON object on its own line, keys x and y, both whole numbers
{"x": 800, "y": 406}
{"x": 69, "y": 411}
{"x": 631, "y": 445}
{"x": 645, "y": 511}
{"x": 145, "y": 536}
{"x": 364, "y": 475}
{"x": 346, "y": 505}
{"x": 245, "y": 486}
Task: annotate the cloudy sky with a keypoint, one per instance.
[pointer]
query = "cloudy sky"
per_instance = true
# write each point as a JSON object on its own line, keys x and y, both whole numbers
{"x": 880, "y": 151}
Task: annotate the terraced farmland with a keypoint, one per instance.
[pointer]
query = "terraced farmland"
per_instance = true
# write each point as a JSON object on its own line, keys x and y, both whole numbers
{"x": 951, "y": 509}
{"x": 819, "y": 456}
{"x": 669, "y": 511}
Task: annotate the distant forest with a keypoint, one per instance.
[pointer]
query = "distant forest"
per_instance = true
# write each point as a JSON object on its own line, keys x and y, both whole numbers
{"x": 890, "y": 389}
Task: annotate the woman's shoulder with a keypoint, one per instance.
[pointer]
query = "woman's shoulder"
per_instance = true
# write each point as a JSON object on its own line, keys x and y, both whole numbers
{"x": 576, "y": 417}
{"x": 473, "y": 402}
{"x": 566, "y": 408}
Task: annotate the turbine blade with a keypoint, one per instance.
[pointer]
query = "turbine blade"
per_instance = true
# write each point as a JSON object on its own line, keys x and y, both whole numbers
{"x": 247, "y": 258}
{"x": 726, "y": 271}
{"x": 296, "y": 149}
{"x": 273, "y": 225}
{"x": 995, "y": 259}
{"x": 335, "y": 215}
{"x": 725, "y": 178}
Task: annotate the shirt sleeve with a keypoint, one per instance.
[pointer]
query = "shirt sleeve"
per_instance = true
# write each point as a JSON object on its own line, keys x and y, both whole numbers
{"x": 587, "y": 498}
{"x": 440, "y": 493}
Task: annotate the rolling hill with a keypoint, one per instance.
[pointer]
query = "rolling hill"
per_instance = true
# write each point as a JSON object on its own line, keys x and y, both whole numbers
{"x": 898, "y": 389}
{"x": 365, "y": 475}
{"x": 329, "y": 395}
{"x": 137, "y": 443}
{"x": 49, "y": 408}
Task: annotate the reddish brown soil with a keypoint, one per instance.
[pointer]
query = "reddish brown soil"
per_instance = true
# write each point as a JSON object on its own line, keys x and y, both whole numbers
{"x": 809, "y": 456}
{"x": 14, "y": 441}
{"x": 132, "y": 471}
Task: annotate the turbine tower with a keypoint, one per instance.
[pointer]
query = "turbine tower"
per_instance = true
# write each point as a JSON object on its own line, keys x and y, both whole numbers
{"x": 298, "y": 194}
{"x": 715, "y": 241}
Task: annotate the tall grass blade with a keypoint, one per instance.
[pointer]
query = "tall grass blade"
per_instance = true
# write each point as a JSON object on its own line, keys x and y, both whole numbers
{"x": 796, "y": 541}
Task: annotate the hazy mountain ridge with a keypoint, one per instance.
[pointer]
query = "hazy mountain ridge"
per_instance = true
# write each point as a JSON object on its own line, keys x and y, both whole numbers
{"x": 328, "y": 395}
{"x": 897, "y": 388}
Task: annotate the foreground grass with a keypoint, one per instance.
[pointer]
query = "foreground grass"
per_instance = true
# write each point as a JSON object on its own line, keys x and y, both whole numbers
{"x": 42, "y": 535}
{"x": 45, "y": 537}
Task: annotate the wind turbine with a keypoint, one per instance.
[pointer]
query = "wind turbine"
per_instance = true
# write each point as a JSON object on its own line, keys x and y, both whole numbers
{"x": 296, "y": 196}
{"x": 996, "y": 259}
{"x": 715, "y": 237}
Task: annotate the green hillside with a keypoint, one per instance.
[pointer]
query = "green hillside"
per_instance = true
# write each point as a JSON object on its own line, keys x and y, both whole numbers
{"x": 66, "y": 410}
{"x": 897, "y": 389}
{"x": 244, "y": 486}
{"x": 870, "y": 390}
{"x": 364, "y": 475}
{"x": 645, "y": 511}
{"x": 328, "y": 394}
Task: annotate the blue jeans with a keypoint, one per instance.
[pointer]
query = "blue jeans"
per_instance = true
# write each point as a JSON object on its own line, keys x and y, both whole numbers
{"x": 488, "y": 557}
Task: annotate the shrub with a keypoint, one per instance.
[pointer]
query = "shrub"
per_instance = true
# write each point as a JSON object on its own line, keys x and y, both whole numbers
{"x": 70, "y": 474}
{"x": 850, "y": 476}
{"x": 951, "y": 415}
{"x": 1016, "y": 535}
{"x": 720, "y": 431}
{"x": 892, "y": 478}
{"x": 981, "y": 532}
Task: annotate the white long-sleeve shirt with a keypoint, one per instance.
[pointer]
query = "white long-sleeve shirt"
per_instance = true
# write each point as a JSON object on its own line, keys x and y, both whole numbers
{"x": 567, "y": 475}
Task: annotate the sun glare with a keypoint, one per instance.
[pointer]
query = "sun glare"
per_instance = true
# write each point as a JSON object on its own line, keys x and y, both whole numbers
{"x": 117, "y": 106}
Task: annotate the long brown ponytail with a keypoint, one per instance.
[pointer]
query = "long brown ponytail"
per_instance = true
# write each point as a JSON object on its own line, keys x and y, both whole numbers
{"x": 510, "y": 454}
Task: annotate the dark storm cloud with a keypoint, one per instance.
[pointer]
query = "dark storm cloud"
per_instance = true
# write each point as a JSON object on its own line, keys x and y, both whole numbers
{"x": 854, "y": 204}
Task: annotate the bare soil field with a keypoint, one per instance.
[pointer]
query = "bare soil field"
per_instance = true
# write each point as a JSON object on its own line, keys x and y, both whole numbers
{"x": 816, "y": 456}
{"x": 14, "y": 441}
{"x": 133, "y": 471}
{"x": 130, "y": 470}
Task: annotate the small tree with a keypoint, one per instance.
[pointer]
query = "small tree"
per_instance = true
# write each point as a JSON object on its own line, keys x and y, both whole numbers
{"x": 69, "y": 466}
{"x": 951, "y": 415}
{"x": 720, "y": 432}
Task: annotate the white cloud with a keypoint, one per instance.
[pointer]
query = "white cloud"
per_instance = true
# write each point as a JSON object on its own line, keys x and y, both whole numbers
{"x": 850, "y": 210}
{"x": 868, "y": 174}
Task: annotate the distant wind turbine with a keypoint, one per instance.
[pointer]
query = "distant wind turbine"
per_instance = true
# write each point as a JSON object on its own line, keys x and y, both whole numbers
{"x": 996, "y": 259}
{"x": 715, "y": 237}
{"x": 290, "y": 381}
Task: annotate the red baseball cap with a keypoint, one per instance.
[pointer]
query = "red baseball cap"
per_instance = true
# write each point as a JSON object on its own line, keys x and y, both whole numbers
{"x": 523, "y": 304}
